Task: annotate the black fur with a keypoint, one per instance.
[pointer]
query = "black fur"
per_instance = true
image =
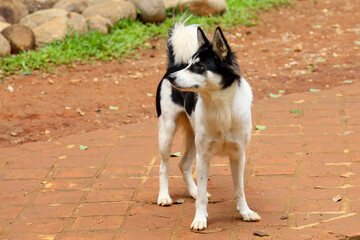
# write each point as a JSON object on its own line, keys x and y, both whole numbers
{"x": 181, "y": 98}
{"x": 225, "y": 66}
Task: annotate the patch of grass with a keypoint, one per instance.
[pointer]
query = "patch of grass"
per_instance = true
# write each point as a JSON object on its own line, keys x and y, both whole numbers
{"x": 125, "y": 38}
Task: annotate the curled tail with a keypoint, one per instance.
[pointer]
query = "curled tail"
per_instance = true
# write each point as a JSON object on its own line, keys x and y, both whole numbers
{"x": 182, "y": 42}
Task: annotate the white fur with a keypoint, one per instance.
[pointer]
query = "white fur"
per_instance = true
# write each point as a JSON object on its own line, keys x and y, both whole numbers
{"x": 184, "y": 41}
{"x": 220, "y": 125}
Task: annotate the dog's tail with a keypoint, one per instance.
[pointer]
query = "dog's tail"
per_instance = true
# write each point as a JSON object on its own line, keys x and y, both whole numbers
{"x": 182, "y": 42}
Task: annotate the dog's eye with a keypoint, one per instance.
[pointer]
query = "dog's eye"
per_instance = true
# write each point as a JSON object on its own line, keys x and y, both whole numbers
{"x": 199, "y": 66}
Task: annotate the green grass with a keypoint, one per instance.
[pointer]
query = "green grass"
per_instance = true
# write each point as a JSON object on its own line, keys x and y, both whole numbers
{"x": 125, "y": 38}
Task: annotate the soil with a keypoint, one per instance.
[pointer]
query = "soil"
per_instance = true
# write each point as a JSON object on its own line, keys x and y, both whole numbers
{"x": 311, "y": 45}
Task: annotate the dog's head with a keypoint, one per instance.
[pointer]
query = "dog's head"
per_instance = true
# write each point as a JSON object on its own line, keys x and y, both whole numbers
{"x": 213, "y": 67}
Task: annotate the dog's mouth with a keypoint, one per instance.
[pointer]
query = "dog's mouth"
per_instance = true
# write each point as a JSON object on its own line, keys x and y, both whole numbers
{"x": 187, "y": 88}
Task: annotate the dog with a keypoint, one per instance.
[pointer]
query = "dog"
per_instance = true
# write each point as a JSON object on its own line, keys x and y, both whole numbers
{"x": 203, "y": 93}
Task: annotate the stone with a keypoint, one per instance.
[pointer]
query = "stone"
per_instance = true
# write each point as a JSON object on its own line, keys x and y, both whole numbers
{"x": 12, "y": 10}
{"x": 36, "y": 5}
{"x": 99, "y": 24}
{"x": 77, "y": 22}
{"x": 151, "y": 10}
{"x": 199, "y": 7}
{"x": 95, "y": 2}
{"x": 37, "y": 18}
{"x": 260, "y": 233}
{"x": 114, "y": 10}
{"x": 4, "y": 46}
{"x": 72, "y": 5}
{"x": 2, "y": 19}
{"x": 4, "y": 25}
{"x": 21, "y": 38}
{"x": 55, "y": 29}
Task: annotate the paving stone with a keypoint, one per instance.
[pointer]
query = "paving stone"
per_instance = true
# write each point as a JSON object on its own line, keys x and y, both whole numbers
{"x": 49, "y": 211}
{"x": 78, "y": 172}
{"x": 150, "y": 234}
{"x": 41, "y": 225}
{"x": 274, "y": 170}
{"x": 9, "y": 211}
{"x": 109, "y": 195}
{"x": 122, "y": 182}
{"x": 66, "y": 184}
{"x": 103, "y": 209}
{"x": 315, "y": 205}
{"x": 51, "y": 190}
{"x": 344, "y": 226}
{"x": 80, "y": 161}
{"x": 98, "y": 223}
{"x": 58, "y": 197}
{"x": 88, "y": 236}
{"x": 151, "y": 221}
{"x": 266, "y": 181}
{"x": 305, "y": 219}
{"x": 18, "y": 173}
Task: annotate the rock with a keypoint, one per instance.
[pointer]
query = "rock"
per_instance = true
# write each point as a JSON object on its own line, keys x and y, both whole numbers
{"x": 151, "y": 10}
{"x": 4, "y": 25}
{"x": 99, "y": 24}
{"x": 55, "y": 29}
{"x": 113, "y": 11}
{"x": 260, "y": 233}
{"x": 95, "y": 2}
{"x": 72, "y": 5}
{"x": 21, "y": 38}
{"x": 199, "y": 7}
{"x": 37, "y": 18}
{"x": 337, "y": 198}
{"x": 4, "y": 46}
{"x": 2, "y": 19}
{"x": 77, "y": 22}
{"x": 35, "y": 5}
{"x": 12, "y": 10}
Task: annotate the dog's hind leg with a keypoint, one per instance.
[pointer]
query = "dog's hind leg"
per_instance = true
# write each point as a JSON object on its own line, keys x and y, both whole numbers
{"x": 167, "y": 128}
{"x": 237, "y": 163}
{"x": 186, "y": 163}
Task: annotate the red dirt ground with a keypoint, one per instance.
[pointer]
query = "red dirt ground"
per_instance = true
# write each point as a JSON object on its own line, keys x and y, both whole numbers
{"x": 308, "y": 46}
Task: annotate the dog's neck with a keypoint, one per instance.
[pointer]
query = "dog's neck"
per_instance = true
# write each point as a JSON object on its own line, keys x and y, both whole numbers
{"x": 217, "y": 116}
{"x": 220, "y": 97}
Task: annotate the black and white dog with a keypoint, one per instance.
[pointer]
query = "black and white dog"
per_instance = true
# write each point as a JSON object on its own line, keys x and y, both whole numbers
{"x": 204, "y": 93}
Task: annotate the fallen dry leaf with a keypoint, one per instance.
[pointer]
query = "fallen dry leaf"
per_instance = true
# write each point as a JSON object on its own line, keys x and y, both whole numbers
{"x": 346, "y": 175}
{"x": 80, "y": 112}
{"x": 179, "y": 201}
{"x": 298, "y": 47}
{"x": 260, "y": 233}
{"x": 337, "y": 198}
{"x": 77, "y": 80}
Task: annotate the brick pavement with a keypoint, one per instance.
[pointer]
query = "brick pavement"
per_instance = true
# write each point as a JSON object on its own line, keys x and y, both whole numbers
{"x": 55, "y": 190}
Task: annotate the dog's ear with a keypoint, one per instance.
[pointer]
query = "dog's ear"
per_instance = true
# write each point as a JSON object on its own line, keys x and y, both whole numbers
{"x": 220, "y": 45}
{"x": 202, "y": 39}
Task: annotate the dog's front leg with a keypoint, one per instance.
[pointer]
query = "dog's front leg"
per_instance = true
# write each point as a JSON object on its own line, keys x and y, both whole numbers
{"x": 237, "y": 163}
{"x": 202, "y": 174}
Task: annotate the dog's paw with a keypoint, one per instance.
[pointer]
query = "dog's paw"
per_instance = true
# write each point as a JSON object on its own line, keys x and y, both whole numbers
{"x": 164, "y": 201}
{"x": 250, "y": 216}
{"x": 199, "y": 224}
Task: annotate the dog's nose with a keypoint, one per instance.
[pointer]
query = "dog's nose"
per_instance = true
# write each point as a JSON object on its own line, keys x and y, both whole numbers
{"x": 171, "y": 77}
